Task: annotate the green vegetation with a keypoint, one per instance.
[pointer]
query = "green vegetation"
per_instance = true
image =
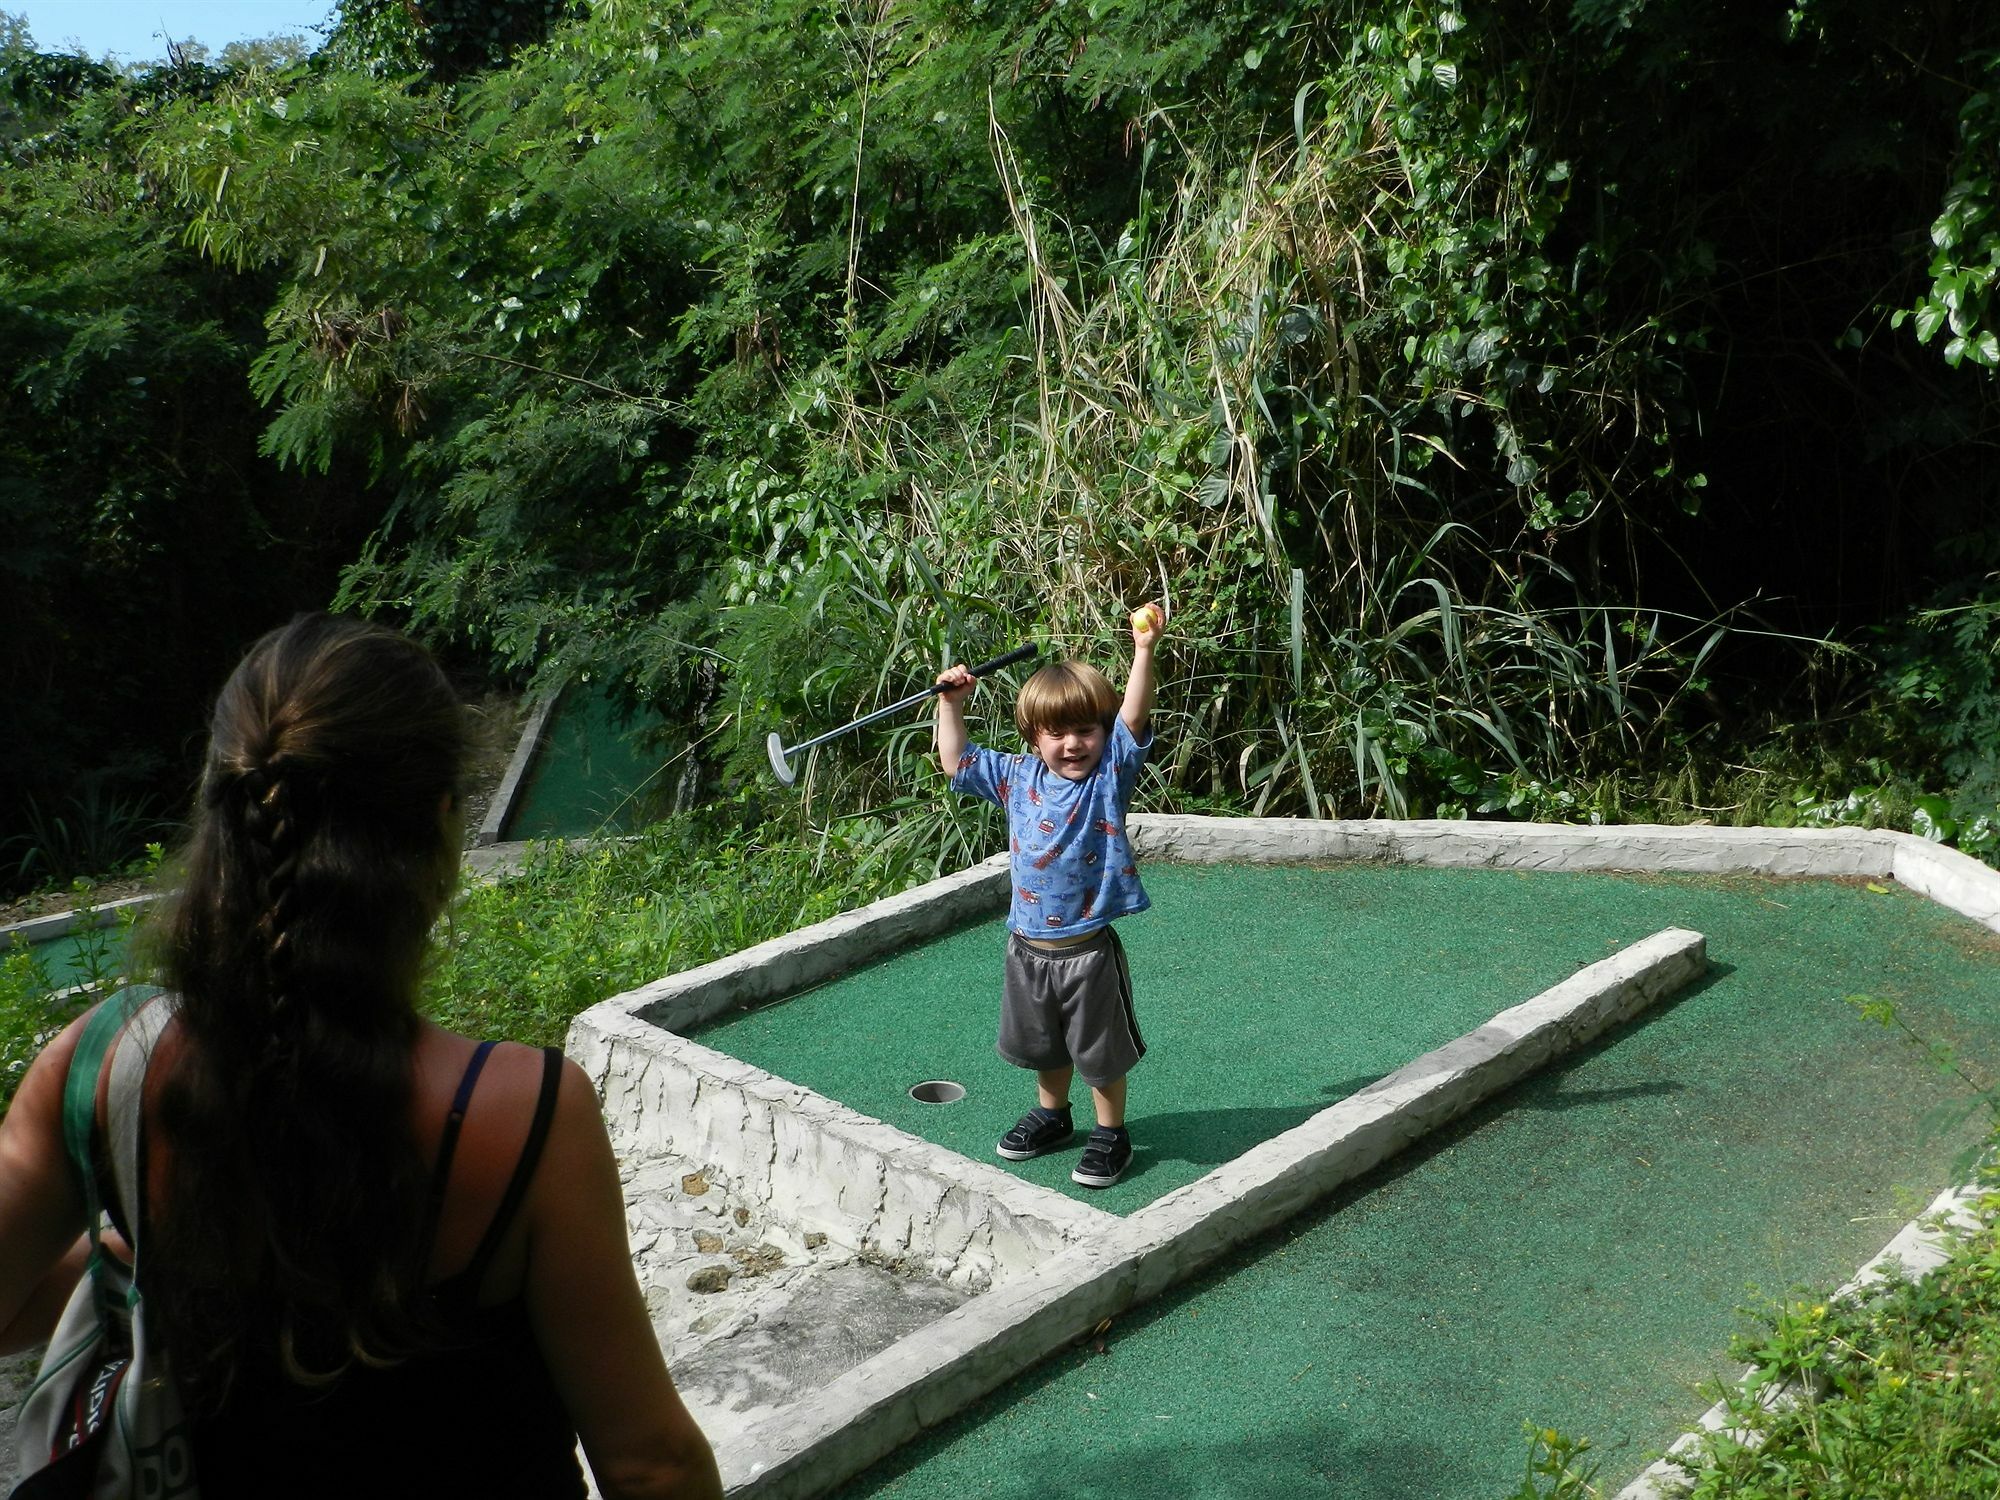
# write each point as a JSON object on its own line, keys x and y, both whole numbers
{"x": 1545, "y": 409}
{"x": 522, "y": 956}
{"x": 1892, "y": 1394}
{"x": 1898, "y": 1392}
{"x": 37, "y": 999}
{"x": 1537, "y": 409}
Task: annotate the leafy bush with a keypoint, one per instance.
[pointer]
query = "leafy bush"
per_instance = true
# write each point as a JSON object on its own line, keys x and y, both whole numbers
{"x": 1898, "y": 1393}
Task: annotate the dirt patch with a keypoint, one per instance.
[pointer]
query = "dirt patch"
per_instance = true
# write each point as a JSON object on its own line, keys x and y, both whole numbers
{"x": 47, "y": 903}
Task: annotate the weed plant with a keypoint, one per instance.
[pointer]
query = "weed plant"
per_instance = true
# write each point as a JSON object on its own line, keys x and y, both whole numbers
{"x": 1898, "y": 1393}
{"x": 35, "y": 1003}
{"x": 521, "y": 956}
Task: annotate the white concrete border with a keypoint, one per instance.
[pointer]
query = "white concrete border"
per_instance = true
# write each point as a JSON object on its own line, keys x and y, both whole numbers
{"x": 1031, "y": 1310}
{"x": 821, "y": 1165}
{"x": 1825, "y": 852}
{"x": 61, "y": 923}
{"x": 800, "y": 960}
{"x": 837, "y": 1431}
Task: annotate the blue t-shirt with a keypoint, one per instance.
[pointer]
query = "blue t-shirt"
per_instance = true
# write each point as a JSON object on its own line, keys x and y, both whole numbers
{"x": 1073, "y": 866}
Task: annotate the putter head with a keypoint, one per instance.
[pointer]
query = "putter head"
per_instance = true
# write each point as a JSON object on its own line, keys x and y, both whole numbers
{"x": 780, "y": 767}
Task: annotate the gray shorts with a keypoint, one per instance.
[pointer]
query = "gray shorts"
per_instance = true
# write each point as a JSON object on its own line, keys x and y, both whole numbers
{"x": 1070, "y": 1008}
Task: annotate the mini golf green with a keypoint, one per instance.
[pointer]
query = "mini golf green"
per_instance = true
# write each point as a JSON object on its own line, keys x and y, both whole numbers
{"x": 80, "y": 957}
{"x": 585, "y": 778}
{"x": 1573, "y": 1255}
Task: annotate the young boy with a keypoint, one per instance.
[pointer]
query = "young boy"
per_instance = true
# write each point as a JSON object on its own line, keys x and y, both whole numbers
{"x": 1066, "y": 1003}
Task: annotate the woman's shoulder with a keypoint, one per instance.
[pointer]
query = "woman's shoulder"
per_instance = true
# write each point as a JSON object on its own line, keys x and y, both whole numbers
{"x": 501, "y": 1076}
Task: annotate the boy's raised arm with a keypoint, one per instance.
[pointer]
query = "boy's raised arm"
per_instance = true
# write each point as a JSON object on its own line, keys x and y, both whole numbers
{"x": 958, "y": 683}
{"x": 1149, "y": 623}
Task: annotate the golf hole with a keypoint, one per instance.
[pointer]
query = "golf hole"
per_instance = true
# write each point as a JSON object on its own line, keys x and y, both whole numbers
{"x": 938, "y": 1091}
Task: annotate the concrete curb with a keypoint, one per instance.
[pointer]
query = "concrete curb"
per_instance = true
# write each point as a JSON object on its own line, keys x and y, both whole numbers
{"x": 866, "y": 1185}
{"x": 812, "y": 955}
{"x": 62, "y": 923}
{"x": 1277, "y": 1179}
{"x": 1053, "y": 1271}
{"x": 856, "y": 1419}
{"x": 501, "y": 808}
{"x": 1920, "y": 1247}
{"x": 1452, "y": 843}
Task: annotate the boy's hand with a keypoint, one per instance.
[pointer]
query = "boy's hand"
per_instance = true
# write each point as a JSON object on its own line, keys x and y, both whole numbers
{"x": 1149, "y": 624}
{"x": 958, "y": 683}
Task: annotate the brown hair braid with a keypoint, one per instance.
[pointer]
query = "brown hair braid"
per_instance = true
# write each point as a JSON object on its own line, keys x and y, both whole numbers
{"x": 290, "y": 1236}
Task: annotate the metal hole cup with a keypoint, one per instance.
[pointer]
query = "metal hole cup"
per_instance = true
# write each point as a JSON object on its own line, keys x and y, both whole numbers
{"x": 938, "y": 1091}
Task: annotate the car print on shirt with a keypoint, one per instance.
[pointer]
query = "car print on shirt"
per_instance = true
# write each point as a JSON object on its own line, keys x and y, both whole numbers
{"x": 1089, "y": 904}
{"x": 1131, "y": 870}
{"x": 1054, "y": 919}
{"x": 1110, "y": 828}
{"x": 965, "y": 761}
{"x": 1090, "y": 858}
{"x": 1004, "y": 785}
{"x": 1027, "y": 897}
{"x": 1043, "y": 859}
{"x": 1034, "y": 796}
{"x": 1046, "y": 826}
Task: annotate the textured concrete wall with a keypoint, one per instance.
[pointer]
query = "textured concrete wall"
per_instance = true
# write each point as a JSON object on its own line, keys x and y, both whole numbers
{"x": 818, "y": 1164}
{"x": 61, "y": 923}
{"x": 1522, "y": 846}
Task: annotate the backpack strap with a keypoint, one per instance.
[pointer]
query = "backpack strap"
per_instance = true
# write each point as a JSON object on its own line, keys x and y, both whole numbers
{"x": 100, "y": 1036}
{"x": 79, "y": 1113}
{"x": 124, "y": 1105}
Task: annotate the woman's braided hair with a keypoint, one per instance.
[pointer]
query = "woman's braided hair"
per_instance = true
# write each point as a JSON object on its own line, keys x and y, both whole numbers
{"x": 290, "y": 1229}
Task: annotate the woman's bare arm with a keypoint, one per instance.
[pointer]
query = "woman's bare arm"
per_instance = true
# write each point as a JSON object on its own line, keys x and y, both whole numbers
{"x": 590, "y": 1319}
{"x": 41, "y": 1206}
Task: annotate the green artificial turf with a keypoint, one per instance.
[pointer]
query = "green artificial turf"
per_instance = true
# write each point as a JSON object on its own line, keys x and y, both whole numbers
{"x": 1573, "y": 1255}
{"x": 81, "y": 956}
{"x": 587, "y": 776}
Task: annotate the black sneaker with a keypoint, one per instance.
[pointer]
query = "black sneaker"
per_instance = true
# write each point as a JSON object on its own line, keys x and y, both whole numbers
{"x": 1035, "y": 1133}
{"x": 1106, "y": 1155}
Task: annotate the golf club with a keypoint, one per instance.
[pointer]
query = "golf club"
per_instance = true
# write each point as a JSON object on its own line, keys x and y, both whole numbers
{"x": 781, "y": 762}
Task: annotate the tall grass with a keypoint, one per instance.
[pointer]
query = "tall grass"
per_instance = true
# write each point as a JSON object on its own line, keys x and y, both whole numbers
{"x": 1220, "y": 410}
{"x": 523, "y": 955}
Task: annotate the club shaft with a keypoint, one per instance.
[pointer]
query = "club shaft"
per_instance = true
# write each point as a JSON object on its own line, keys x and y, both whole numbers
{"x": 1019, "y": 653}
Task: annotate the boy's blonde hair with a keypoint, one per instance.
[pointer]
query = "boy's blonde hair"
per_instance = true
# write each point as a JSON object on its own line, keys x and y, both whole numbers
{"x": 1065, "y": 695}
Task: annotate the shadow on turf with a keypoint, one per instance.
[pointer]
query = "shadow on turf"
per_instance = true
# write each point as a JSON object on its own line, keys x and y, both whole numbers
{"x": 1143, "y": 1444}
{"x": 1584, "y": 1098}
{"x": 1308, "y": 1459}
{"x": 1209, "y": 1137}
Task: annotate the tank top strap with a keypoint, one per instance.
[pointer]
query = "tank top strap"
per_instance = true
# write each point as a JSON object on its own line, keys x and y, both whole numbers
{"x": 524, "y": 1171}
{"x": 454, "y": 1122}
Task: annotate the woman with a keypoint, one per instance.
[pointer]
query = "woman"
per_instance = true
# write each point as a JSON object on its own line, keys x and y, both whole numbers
{"x": 381, "y": 1256}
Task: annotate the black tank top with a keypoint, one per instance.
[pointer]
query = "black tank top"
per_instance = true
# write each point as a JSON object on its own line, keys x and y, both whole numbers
{"x": 479, "y": 1416}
